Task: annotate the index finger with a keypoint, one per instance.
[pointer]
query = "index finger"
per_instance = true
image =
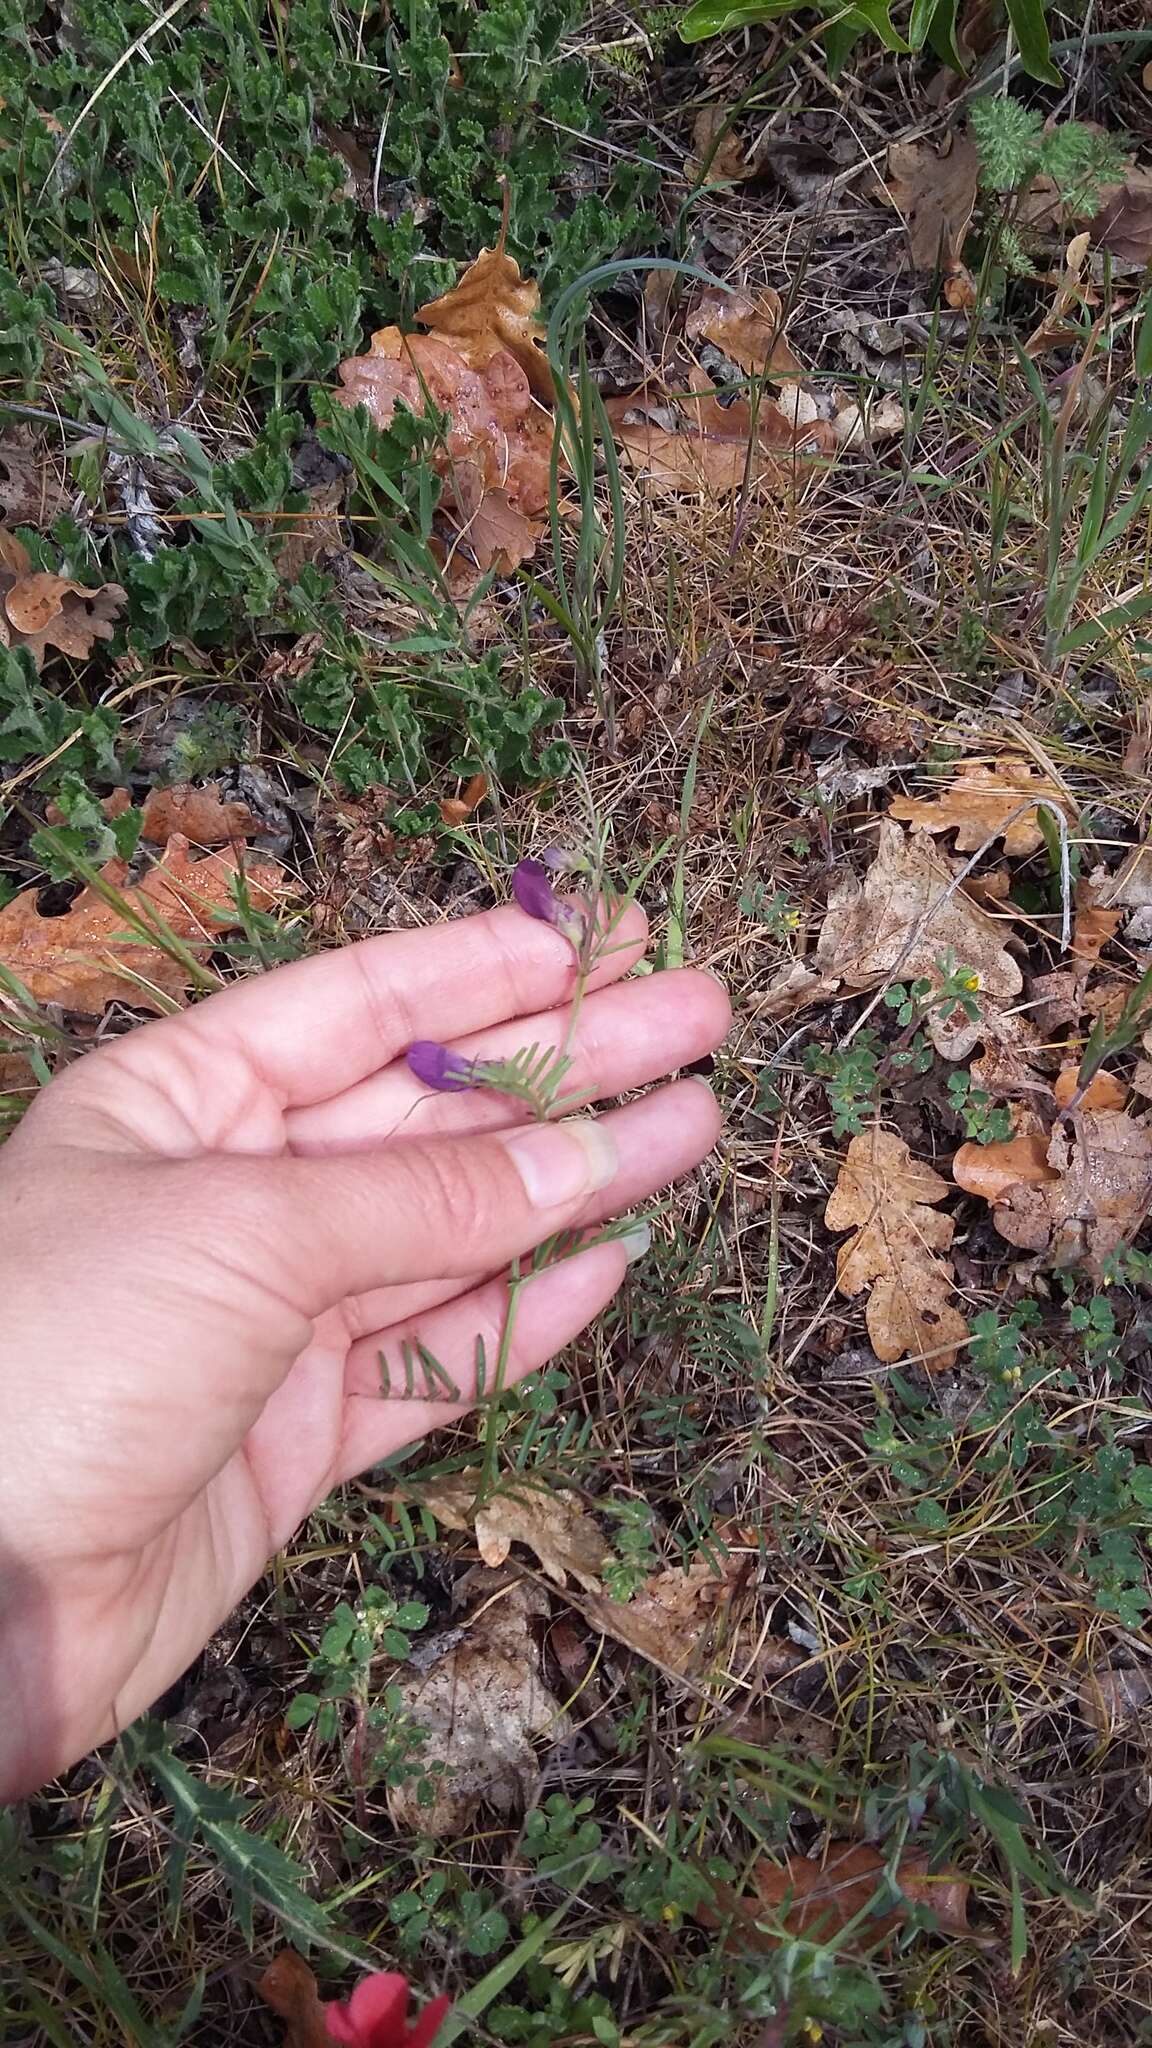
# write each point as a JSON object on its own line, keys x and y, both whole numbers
{"x": 316, "y": 1027}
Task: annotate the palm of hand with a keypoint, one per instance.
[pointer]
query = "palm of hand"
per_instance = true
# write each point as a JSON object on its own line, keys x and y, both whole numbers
{"x": 244, "y": 1215}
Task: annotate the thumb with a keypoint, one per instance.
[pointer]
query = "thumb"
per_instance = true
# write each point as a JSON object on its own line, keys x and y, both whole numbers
{"x": 419, "y": 1209}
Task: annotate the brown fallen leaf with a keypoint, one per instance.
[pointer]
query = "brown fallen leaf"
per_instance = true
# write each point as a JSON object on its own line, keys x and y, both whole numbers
{"x": 979, "y": 804}
{"x": 498, "y": 442}
{"x": 691, "y": 442}
{"x": 887, "y": 1198}
{"x": 200, "y": 813}
{"x": 673, "y": 1620}
{"x": 553, "y": 1524}
{"x": 936, "y": 195}
{"x": 92, "y": 956}
{"x": 455, "y": 810}
{"x": 1114, "y": 1697}
{"x": 1096, "y": 920}
{"x": 493, "y": 309}
{"x": 1104, "y": 1091}
{"x": 290, "y": 1988}
{"x": 30, "y": 494}
{"x": 749, "y": 329}
{"x": 717, "y": 152}
{"x": 1054, "y": 1000}
{"x": 793, "y": 989}
{"x": 902, "y": 920}
{"x": 1073, "y": 293}
{"x": 481, "y": 1705}
{"x": 313, "y": 533}
{"x": 1095, "y": 1200}
{"x": 989, "y": 1170}
{"x": 39, "y": 610}
{"x": 1124, "y": 221}
{"x": 816, "y": 1900}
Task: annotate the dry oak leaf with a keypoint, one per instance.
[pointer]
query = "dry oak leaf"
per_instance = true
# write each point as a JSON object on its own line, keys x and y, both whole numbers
{"x": 92, "y": 956}
{"x": 936, "y": 195}
{"x": 793, "y": 989}
{"x": 980, "y": 803}
{"x": 29, "y": 492}
{"x": 490, "y": 309}
{"x": 455, "y": 810}
{"x": 312, "y": 534}
{"x": 887, "y": 1198}
{"x": 39, "y": 610}
{"x": 672, "y": 1620}
{"x": 1124, "y": 221}
{"x": 717, "y": 152}
{"x": 815, "y": 1900}
{"x": 199, "y": 812}
{"x": 990, "y": 1170}
{"x": 694, "y": 443}
{"x": 1114, "y": 1697}
{"x": 497, "y": 442}
{"x": 1096, "y": 1198}
{"x": 482, "y": 1704}
{"x": 1095, "y": 921}
{"x": 1104, "y": 1091}
{"x": 902, "y": 920}
{"x": 290, "y": 1988}
{"x": 561, "y": 1532}
{"x": 749, "y": 329}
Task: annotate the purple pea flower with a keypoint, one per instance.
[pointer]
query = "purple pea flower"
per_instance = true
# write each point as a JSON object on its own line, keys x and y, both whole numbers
{"x": 441, "y": 1068}
{"x": 533, "y": 890}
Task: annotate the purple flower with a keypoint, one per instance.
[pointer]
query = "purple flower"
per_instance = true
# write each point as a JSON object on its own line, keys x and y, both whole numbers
{"x": 532, "y": 888}
{"x": 439, "y": 1067}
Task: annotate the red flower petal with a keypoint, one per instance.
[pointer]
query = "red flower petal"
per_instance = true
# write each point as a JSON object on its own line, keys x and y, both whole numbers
{"x": 374, "y": 2015}
{"x": 428, "y": 2025}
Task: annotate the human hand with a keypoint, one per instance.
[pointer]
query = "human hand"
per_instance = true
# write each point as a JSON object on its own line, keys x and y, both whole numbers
{"x": 215, "y": 1227}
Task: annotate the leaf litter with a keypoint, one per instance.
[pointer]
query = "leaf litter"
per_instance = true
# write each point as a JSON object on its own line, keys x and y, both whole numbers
{"x": 482, "y": 1705}
{"x": 95, "y": 954}
{"x": 889, "y": 1200}
{"x": 844, "y": 1893}
{"x": 39, "y": 610}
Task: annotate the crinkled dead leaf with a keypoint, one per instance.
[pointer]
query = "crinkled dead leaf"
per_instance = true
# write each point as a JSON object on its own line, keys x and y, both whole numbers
{"x": 887, "y": 1198}
{"x": 689, "y": 441}
{"x": 1131, "y": 885}
{"x": 289, "y": 1986}
{"x": 979, "y": 804}
{"x": 455, "y": 810}
{"x": 1123, "y": 224}
{"x": 497, "y": 445}
{"x": 493, "y": 308}
{"x": 793, "y": 989}
{"x": 1095, "y": 1196}
{"x": 1054, "y": 1000}
{"x": 1104, "y": 1091}
{"x": 30, "y": 494}
{"x": 675, "y": 1620}
{"x": 554, "y": 1525}
{"x": 717, "y": 152}
{"x": 199, "y": 812}
{"x": 749, "y": 329}
{"x": 812, "y": 1899}
{"x": 1096, "y": 920}
{"x": 989, "y": 1170}
{"x": 902, "y": 920}
{"x": 92, "y": 955}
{"x": 312, "y": 534}
{"x": 1114, "y": 1697}
{"x": 39, "y": 610}
{"x": 936, "y": 195}
{"x": 858, "y": 421}
{"x": 482, "y": 1705}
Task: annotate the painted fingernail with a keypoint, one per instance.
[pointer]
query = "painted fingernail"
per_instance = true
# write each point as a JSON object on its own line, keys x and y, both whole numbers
{"x": 560, "y": 1162}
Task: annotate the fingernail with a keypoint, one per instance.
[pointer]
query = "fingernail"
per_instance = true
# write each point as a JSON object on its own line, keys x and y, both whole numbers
{"x": 636, "y": 1241}
{"x": 560, "y": 1162}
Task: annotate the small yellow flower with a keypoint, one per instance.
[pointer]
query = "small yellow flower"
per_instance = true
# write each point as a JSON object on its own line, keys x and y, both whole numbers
{"x": 970, "y": 980}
